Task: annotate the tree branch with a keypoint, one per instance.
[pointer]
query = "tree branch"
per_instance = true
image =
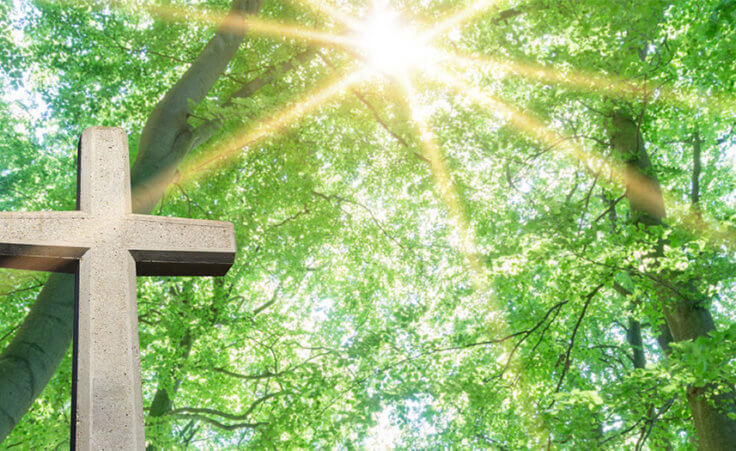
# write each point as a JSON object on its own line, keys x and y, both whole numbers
{"x": 331, "y": 197}
{"x": 249, "y": 377}
{"x": 226, "y": 415}
{"x": 375, "y": 114}
{"x": 610, "y": 207}
{"x": 270, "y": 75}
{"x": 566, "y": 365}
{"x": 209, "y": 128}
{"x": 227, "y": 427}
{"x": 697, "y": 168}
{"x": 166, "y": 137}
{"x": 270, "y": 302}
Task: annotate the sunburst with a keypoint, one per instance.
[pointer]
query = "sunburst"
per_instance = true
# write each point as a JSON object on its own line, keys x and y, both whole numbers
{"x": 389, "y": 45}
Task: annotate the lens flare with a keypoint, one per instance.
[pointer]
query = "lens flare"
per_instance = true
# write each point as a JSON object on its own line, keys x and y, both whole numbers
{"x": 535, "y": 128}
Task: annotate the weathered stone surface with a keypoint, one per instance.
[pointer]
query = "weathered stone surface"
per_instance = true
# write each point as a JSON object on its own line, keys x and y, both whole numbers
{"x": 108, "y": 245}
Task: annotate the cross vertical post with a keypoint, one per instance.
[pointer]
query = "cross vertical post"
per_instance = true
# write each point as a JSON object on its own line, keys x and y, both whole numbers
{"x": 108, "y": 407}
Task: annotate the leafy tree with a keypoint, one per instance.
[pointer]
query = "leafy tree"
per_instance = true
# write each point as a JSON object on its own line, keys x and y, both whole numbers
{"x": 541, "y": 255}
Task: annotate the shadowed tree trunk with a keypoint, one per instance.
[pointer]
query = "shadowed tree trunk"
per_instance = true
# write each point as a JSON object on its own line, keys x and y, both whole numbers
{"x": 30, "y": 360}
{"x": 168, "y": 384}
{"x": 685, "y": 310}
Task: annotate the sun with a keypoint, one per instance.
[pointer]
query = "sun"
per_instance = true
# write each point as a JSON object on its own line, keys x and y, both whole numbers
{"x": 388, "y": 45}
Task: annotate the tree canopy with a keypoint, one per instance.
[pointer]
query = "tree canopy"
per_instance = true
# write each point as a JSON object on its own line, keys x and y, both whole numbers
{"x": 474, "y": 224}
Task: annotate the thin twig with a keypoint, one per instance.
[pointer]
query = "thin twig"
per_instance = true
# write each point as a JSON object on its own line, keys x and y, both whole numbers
{"x": 20, "y": 290}
{"x": 611, "y": 207}
{"x": 566, "y": 365}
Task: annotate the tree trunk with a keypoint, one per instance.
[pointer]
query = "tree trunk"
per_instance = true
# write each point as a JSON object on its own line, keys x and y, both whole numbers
{"x": 29, "y": 361}
{"x": 168, "y": 385}
{"x": 684, "y": 310}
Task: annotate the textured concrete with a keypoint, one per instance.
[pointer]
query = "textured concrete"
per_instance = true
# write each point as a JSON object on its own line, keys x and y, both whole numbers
{"x": 108, "y": 245}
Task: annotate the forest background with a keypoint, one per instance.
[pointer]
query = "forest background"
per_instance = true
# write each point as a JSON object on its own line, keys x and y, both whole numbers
{"x": 510, "y": 228}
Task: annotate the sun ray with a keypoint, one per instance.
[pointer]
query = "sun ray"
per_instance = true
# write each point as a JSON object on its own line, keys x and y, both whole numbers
{"x": 643, "y": 188}
{"x": 385, "y": 42}
{"x": 494, "y": 314}
{"x": 525, "y": 122}
{"x": 328, "y": 9}
{"x": 275, "y": 29}
{"x": 251, "y": 23}
{"x": 538, "y": 130}
{"x": 446, "y": 187}
{"x": 459, "y": 18}
{"x": 571, "y": 78}
{"x": 608, "y": 85}
{"x": 224, "y": 151}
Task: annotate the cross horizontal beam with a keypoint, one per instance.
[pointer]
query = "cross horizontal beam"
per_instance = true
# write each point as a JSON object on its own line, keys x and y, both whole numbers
{"x": 55, "y": 241}
{"x": 185, "y": 247}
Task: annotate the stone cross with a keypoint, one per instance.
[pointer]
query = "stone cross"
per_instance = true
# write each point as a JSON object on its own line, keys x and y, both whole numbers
{"x": 107, "y": 246}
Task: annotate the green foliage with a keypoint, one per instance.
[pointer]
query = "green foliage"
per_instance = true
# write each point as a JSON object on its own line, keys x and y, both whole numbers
{"x": 351, "y": 315}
